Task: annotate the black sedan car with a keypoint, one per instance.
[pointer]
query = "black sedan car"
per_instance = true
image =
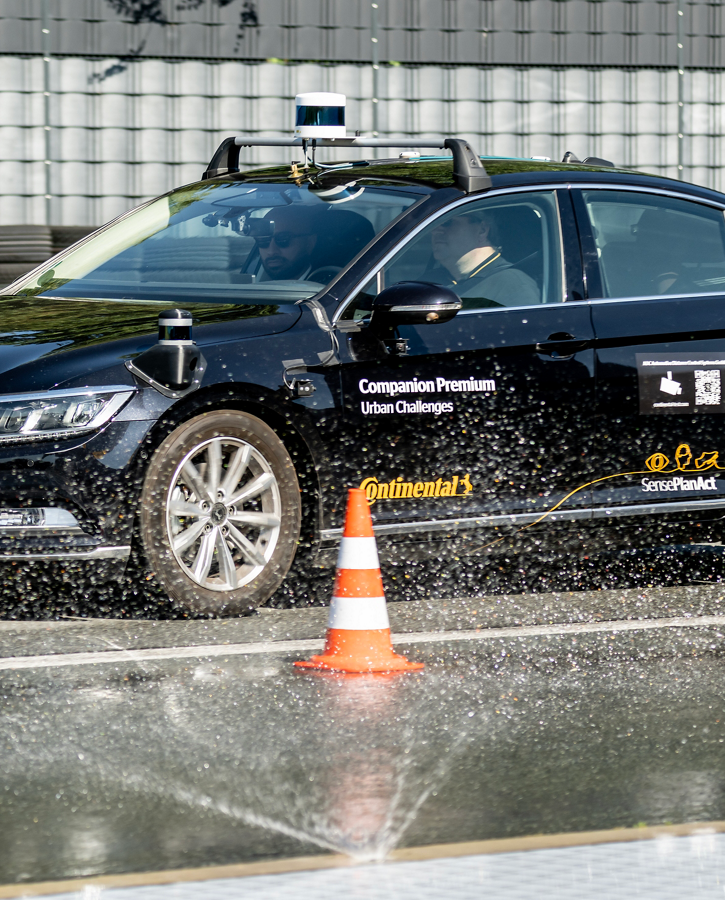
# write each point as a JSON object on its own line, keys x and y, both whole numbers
{"x": 505, "y": 359}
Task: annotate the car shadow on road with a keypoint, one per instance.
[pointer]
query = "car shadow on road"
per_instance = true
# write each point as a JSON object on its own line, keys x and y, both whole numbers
{"x": 59, "y": 591}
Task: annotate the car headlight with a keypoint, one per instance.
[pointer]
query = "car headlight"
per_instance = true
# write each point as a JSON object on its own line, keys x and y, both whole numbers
{"x": 59, "y": 414}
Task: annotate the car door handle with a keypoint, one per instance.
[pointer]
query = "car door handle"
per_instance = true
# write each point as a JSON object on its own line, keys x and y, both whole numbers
{"x": 561, "y": 345}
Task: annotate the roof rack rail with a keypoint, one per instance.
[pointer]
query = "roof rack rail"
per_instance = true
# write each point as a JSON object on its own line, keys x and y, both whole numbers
{"x": 469, "y": 172}
{"x": 570, "y": 157}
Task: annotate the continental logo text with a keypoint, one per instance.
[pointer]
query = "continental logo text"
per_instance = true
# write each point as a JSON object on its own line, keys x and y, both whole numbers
{"x": 397, "y": 489}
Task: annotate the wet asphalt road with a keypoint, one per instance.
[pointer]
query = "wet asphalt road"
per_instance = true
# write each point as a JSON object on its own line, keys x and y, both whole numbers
{"x": 131, "y": 763}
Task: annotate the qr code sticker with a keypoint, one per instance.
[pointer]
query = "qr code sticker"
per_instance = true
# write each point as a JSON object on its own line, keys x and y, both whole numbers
{"x": 707, "y": 387}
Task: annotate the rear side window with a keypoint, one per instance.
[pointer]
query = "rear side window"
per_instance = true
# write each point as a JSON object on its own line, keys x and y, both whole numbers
{"x": 650, "y": 245}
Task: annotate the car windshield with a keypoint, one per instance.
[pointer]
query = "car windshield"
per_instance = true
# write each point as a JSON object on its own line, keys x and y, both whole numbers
{"x": 232, "y": 242}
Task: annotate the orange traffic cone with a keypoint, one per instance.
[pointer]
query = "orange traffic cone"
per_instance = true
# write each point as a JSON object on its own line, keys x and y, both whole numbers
{"x": 358, "y": 630}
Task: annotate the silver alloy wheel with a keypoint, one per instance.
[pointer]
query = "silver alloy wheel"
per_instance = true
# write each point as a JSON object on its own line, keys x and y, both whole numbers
{"x": 223, "y": 513}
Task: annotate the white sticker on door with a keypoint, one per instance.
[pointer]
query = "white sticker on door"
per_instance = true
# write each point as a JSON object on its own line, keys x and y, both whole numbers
{"x": 680, "y": 383}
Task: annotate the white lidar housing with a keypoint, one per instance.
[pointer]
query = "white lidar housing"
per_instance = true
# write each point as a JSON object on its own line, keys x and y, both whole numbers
{"x": 320, "y": 114}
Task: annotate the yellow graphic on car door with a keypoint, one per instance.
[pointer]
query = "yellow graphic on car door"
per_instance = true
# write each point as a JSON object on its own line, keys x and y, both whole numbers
{"x": 658, "y": 462}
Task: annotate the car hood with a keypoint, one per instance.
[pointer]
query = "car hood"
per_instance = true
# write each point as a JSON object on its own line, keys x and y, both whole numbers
{"x": 32, "y": 328}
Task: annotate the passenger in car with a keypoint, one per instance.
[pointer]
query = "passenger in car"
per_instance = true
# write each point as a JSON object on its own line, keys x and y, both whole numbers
{"x": 466, "y": 247}
{"x": 286, "y": 253}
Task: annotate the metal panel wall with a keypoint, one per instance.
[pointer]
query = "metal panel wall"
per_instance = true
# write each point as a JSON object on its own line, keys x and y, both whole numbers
{"x": 119, "y": 100}
{"x": 156, "y": 124}
{"x": 495, "y": 32}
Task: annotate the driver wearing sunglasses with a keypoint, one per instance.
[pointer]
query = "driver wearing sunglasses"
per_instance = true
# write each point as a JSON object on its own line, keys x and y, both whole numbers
{"x": 286, "y": 251}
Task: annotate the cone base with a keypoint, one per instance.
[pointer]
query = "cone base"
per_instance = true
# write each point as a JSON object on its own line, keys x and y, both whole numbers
{"x": 359, "y": 651}
{"x": 338, "y": 664}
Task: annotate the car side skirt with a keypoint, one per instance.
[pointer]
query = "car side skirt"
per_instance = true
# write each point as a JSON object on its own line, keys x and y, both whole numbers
{"x": 604, "y": 512}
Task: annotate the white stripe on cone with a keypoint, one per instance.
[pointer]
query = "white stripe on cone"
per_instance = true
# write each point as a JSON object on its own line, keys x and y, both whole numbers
{"x": 358, "y": 613}
{"x": 358, "y": 553}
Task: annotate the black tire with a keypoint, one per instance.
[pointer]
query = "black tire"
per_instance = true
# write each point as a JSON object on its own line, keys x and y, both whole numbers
{"x": 220, "y": 513}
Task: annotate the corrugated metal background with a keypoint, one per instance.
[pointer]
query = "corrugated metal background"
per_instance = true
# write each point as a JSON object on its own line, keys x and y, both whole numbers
{"x": 117, "y": 130}
{"x": 494, "y": 32}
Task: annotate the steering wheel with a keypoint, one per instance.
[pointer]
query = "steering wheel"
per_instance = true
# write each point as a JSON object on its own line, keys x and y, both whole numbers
{"x": 323, "y": 274}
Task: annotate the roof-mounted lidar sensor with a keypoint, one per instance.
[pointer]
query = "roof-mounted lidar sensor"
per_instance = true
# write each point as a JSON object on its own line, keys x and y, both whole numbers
{"x": 320, "y": 115}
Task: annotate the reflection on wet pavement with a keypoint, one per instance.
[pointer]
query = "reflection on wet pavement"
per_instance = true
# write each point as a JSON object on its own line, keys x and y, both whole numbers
{"x": 180, "y": 763}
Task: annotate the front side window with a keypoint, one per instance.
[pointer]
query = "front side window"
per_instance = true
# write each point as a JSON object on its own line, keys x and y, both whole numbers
{"x": 498, "y": 252}
{"x": 227, "y": 242}
{"x": 650, "y": 245}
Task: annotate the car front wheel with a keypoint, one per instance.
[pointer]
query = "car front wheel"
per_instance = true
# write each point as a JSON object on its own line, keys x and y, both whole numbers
{"x": 220, "y": 513}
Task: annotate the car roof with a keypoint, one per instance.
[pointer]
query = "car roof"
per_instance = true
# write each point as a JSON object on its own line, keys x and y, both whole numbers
{"x": 437, "y": 172}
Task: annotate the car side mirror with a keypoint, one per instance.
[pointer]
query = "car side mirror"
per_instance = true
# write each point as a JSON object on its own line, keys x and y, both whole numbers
{"x": 414, "y": 303}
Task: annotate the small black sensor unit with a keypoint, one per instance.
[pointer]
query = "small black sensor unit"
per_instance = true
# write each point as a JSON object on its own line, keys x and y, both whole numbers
{"x": 174, "y": 365}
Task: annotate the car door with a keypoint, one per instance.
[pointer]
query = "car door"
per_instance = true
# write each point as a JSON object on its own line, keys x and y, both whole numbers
{"x": 659, "y": 261}
{"x": 480, "y": 420}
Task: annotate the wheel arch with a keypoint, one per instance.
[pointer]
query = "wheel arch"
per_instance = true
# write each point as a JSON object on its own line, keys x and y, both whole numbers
{"x": 289, "y": 424}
